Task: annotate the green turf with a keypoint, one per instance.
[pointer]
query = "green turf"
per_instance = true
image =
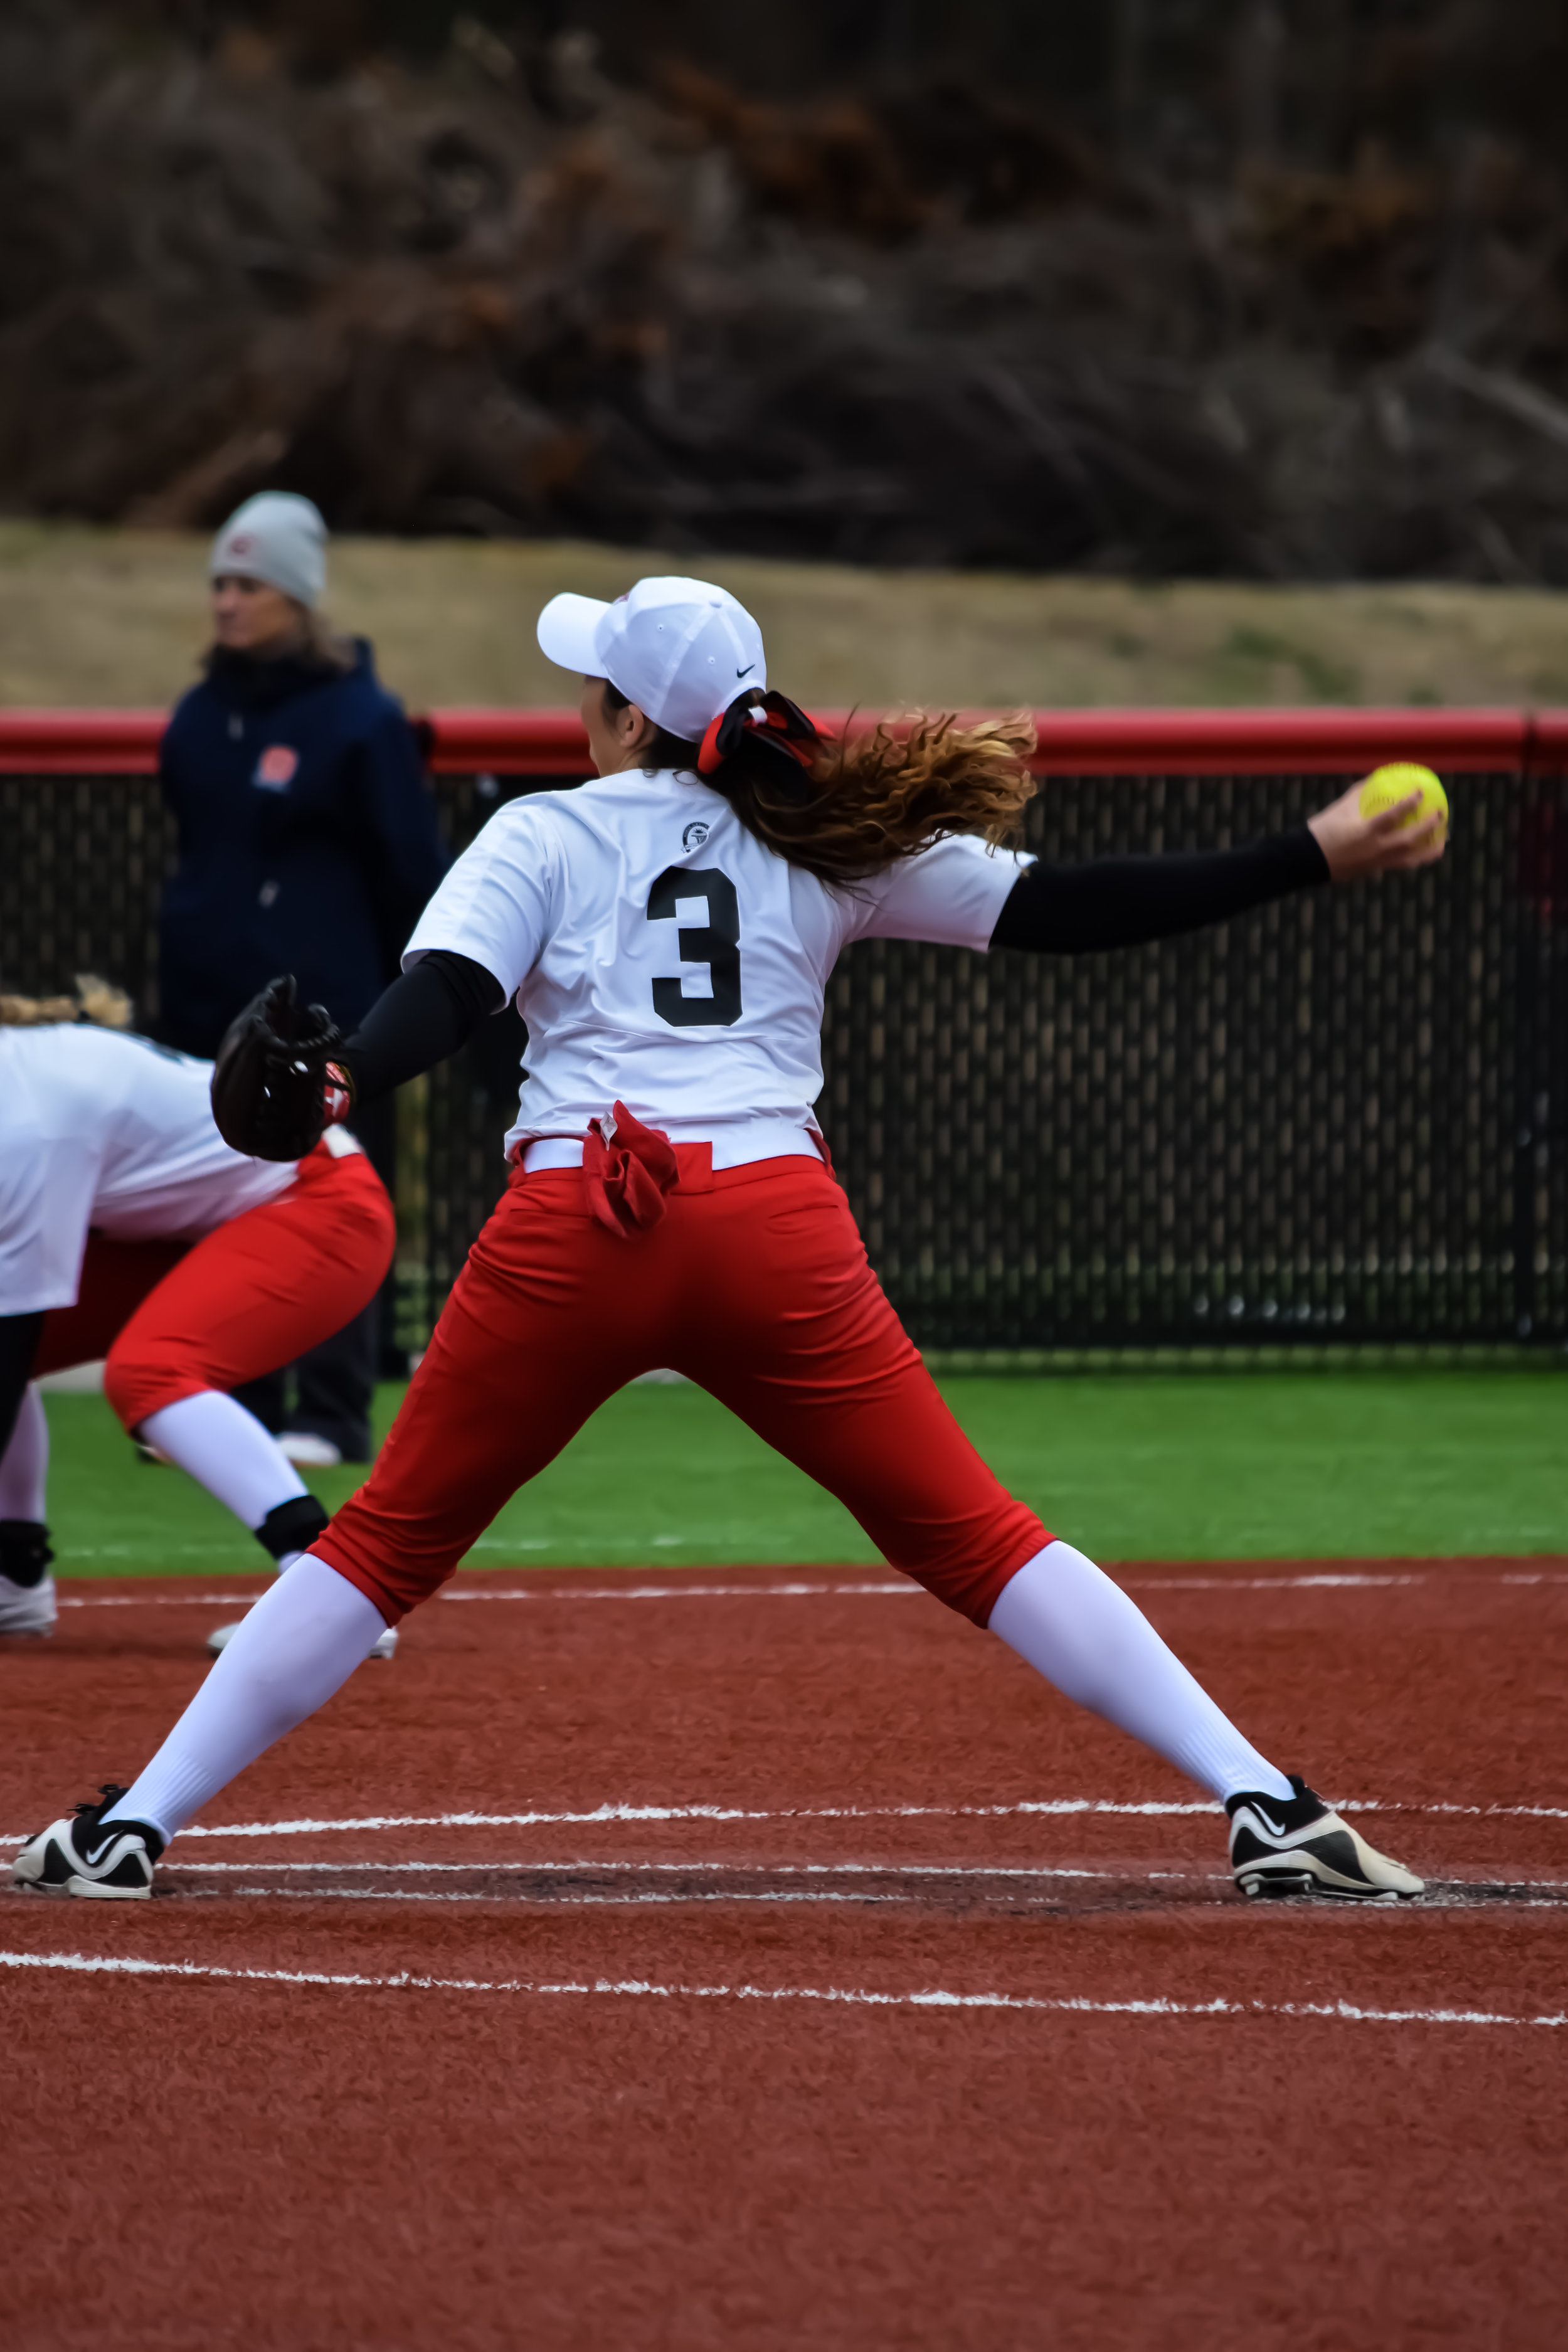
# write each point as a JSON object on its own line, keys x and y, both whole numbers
{"x": 1164, "y": 1467}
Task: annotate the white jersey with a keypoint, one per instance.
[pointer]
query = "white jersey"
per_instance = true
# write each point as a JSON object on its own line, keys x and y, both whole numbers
{"x": 661, "y": 956}
{"x": 99, "y": 1128}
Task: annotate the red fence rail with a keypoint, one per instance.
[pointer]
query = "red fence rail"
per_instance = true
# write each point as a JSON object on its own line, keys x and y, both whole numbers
{"x": 1069, "y": 742}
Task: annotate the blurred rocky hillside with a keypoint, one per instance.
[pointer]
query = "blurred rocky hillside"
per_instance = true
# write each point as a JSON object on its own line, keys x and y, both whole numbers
{"x": 516, "y": 278}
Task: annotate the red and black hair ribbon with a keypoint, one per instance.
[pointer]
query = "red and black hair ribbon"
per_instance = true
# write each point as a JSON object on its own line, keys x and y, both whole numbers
{"x": 770, "y": 724}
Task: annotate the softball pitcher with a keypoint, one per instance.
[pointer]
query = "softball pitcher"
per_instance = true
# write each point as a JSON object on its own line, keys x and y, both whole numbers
{"x": 667, "y": 932}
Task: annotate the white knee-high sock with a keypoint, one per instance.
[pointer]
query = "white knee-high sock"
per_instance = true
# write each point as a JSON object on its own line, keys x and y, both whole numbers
{"x": 1082, "y": 1633}
{"x": 226, "y": 1450}
{"x": 25, "y": 1466}
{"x": 299, "y": 1644}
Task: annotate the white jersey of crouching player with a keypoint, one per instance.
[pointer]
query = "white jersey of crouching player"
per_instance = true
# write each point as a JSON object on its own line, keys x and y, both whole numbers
{"x": 130, "y": 1232}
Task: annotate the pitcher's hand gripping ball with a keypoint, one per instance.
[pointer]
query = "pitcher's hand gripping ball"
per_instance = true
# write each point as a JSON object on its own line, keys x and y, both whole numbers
{"x": 278, "y": 1085}
{"x": 1386, "y": 787}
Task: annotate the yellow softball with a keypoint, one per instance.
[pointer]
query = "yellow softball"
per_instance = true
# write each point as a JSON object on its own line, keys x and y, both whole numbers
{"x": 1386, "y": 787}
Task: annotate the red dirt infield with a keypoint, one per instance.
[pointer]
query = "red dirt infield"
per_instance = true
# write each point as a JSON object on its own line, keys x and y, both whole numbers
{"x": 765, "y": 1958}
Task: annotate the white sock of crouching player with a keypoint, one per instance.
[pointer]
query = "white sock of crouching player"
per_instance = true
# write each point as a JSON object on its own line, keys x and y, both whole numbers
{"x": 299, "y": 1644}
{"x": 226, "y": 1449}
{"x": 1082, "y": 1633}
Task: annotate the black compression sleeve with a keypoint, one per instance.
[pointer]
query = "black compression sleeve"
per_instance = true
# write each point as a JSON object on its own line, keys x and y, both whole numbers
{"x": 427, "y": 1012}
{"x": 19, "y": 1337}
{"x": 1116, "y": 902}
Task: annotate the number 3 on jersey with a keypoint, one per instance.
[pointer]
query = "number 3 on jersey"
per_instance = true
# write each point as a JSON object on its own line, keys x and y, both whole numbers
{"x": 717, "y": 944}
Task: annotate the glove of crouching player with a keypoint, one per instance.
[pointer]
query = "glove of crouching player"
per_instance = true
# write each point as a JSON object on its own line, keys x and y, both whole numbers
{"x": 278, "y": 1085}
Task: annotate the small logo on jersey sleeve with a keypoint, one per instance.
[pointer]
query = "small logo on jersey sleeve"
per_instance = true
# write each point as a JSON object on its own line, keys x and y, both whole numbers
{"x": 695, "y": 834}
{"x": 277, "y": 768}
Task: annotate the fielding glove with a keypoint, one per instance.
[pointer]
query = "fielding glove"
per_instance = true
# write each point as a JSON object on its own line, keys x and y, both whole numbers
{"x": 278, "y": 1085}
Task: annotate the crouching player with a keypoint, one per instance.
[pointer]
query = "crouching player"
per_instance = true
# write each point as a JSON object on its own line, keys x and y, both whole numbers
{"x": 129, "y": 1230}
{"x": 668, "y": 930}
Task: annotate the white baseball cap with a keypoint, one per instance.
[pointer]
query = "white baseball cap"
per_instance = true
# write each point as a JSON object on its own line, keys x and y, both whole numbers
{"x": 680, "y": 649}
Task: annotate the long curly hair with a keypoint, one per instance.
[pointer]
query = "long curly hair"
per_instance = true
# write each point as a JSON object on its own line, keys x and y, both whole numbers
{"x": 846, "y": 808}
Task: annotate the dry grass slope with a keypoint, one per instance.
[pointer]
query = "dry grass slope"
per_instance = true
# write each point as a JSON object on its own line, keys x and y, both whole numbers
{"x": 104, "y": 617}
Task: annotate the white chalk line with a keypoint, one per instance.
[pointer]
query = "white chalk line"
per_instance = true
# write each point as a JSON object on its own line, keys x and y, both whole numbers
{"x": 159, "y": 1599}
{"x": 625, "y": 1813}
{"x": 892, "y": 1869}
{"x": 1523, "y": 1895}
{"x": 835, "y": 1996}
{"x": 883, "y": 1589}
{"x": 1026, "y": 1808}
{"x": 616, "y": 1814}
{"x": 1129, "y": 1579}
{"x": 1134, "y": 1583}
{"x": 642, "y": 1898}
{"x": 606, "y": 1592}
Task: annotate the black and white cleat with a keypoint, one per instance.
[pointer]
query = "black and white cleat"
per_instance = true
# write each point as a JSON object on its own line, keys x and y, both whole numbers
{"x": 1301, "y": 1846}
{"x": 82, "y": 1856}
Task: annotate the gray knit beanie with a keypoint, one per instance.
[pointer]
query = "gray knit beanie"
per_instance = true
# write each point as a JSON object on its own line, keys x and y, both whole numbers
{"x": 279, "y": 538}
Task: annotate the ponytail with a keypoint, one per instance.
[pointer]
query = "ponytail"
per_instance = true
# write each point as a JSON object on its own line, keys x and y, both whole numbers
{"x": 846, "y": 808}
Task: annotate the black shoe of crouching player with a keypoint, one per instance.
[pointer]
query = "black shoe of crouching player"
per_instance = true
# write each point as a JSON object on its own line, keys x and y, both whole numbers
{"x": 1301, "y": 1846}
{"x": 83, "y": 1856}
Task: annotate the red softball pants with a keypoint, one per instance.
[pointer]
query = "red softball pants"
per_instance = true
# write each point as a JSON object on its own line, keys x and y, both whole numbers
{"x": 172, "y": 1317}
{"x": 755, "y": 1284}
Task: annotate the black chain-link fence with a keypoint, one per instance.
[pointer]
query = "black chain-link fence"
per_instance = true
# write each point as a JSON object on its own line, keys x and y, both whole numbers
{"x": 1340, "y": 1119}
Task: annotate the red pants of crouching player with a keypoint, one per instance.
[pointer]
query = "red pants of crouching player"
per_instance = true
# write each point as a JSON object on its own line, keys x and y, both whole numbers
{"x": 172, "y": 1317}
{"x": 754, "y": 1284}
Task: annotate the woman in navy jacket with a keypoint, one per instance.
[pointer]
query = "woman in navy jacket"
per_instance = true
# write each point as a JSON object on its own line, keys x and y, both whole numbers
{"x": 308, "y": 842}
{"x": 308, "y": 835}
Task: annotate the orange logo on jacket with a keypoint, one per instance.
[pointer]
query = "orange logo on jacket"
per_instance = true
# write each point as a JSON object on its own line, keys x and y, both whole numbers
{"x": 277, "y": 767}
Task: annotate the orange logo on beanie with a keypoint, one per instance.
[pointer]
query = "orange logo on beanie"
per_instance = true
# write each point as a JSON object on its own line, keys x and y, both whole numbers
{"x": 277, "y": 767}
